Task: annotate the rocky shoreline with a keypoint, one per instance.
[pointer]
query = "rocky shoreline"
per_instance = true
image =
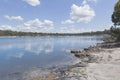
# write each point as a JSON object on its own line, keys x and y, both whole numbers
{"x": 101, "y": 62}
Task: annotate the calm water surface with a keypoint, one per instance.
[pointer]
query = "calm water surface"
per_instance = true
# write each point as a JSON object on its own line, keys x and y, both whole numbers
{"x": 20, "y": 54}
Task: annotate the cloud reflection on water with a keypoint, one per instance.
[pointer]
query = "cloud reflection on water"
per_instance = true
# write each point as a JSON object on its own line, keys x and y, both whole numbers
{"x": 16, "y": 55}
{"x": 36, "y": 47}
{"x": 43, "y": 45}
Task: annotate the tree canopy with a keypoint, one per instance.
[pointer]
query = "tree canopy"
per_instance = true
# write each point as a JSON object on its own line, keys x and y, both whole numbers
{"x": 116, "y": 20}
{"x": 116, "y": 14}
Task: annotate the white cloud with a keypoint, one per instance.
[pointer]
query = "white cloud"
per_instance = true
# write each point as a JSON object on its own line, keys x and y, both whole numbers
{"x": 47, "y": 23}
{"x": 67, "y": 22}
{"x": 35, "y": 25}
{"x": 16, "y": 55}
{"x": 31, "y": 26}
{"x": 93, "y": 0}
{"x": 6, "y": 27}
{"x": 19, "y": 18}
{"x": 82, "y": 13}
{"x": 33, "y": 2}
{"x": 38, "y": 23}
{"x": 86, "y": 1}
{"x": 69, "y": 30}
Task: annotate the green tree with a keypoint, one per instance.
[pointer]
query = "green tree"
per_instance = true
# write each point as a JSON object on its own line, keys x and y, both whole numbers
{"x": 116, "y": 14}
{"x": 116, "y": 20}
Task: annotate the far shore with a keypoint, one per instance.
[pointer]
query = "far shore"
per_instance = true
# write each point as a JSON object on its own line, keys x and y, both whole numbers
{"x": 34, "y": 34}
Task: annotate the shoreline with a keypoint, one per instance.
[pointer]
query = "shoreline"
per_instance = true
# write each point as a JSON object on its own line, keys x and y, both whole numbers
{"x": 100, "y": 62}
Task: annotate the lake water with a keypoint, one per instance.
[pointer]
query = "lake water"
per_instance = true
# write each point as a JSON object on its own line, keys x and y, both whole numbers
{"x": 21, "y": 54}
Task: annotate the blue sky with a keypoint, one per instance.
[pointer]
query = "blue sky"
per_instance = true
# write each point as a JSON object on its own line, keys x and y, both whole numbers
{"x": 71, "y": 16}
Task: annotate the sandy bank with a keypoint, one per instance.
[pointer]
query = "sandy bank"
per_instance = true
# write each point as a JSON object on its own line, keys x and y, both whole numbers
{"x": 102, "y": 64}
{"x": 108, "y": 67}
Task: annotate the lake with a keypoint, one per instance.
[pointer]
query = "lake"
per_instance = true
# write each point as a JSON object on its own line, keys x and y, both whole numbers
{"x": 23, "y": 54}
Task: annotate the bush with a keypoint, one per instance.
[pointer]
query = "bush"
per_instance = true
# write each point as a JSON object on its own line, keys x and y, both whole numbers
{"x": 115, "y": 31}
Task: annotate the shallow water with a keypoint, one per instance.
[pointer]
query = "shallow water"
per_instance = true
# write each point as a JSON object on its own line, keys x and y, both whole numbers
{"x": 22, "y": 54}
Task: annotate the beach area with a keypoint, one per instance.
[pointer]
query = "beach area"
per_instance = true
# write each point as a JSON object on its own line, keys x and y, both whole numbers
{"x": 101, "y": 62}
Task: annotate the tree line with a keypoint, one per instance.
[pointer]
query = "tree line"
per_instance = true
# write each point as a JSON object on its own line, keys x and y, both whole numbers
{"x": 15, "y": 33}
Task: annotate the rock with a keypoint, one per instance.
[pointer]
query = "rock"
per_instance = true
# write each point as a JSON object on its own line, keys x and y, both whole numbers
{"x": 77, "y": 55}
{"x": 86, "y": 49}
{"x": 81, "y": 64}
{"x": 75, "y": 51}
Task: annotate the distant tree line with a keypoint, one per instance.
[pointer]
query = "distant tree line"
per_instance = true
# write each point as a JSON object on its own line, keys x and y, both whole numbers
{"x": 15, "y": 33}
